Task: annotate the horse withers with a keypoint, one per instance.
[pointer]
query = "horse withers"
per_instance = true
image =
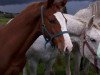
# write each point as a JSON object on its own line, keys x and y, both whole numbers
{"x": 18, "y": 35}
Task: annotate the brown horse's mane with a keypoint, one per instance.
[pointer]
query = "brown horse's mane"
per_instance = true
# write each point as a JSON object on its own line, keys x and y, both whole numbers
{"x": 33, "y": 5}
{"x": 26, "y": 14}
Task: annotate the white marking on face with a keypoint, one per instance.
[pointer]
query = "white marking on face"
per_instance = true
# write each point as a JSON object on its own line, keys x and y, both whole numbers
{"x": 67, "y": 39}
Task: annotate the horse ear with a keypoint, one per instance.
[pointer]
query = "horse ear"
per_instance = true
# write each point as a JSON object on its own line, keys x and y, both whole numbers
{"x": 90, "y": 24}
{"x": 50, "y": 3}
{"x": 59, "y": 3}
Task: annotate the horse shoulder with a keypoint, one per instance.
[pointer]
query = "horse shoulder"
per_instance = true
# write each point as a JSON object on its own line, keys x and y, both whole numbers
{"x": 73, "y": 24}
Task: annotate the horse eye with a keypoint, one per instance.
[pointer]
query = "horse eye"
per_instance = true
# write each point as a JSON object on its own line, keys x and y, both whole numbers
{"x": 93, "y": 40}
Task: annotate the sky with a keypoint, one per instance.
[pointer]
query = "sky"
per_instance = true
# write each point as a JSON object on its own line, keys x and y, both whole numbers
{"x": 5, "y": 2}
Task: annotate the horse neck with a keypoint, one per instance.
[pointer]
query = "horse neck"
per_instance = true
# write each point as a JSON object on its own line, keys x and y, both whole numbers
{"x": 74, "y": 25}
{"x": 24, "y": 29}
{"x": 27, "y": 20}
{"x": 84, "y": 14}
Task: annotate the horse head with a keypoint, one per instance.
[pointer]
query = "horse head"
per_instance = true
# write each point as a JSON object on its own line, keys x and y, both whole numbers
{"x": 92, "y": 38}
{"x": 54, "y": 24}
{"x": 51, "y": 22}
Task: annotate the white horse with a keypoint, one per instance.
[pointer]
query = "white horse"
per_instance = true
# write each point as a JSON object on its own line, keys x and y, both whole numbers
{"x": 87, "y": 44}
{"x": 93, "y": 56}
{"x": 38, "y": 52}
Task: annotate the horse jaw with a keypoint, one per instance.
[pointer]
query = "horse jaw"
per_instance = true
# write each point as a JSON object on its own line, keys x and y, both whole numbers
{"x": 67, "y": 39}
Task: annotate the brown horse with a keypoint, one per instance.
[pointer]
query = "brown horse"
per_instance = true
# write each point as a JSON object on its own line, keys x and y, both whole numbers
{"x": 18, "y": 35}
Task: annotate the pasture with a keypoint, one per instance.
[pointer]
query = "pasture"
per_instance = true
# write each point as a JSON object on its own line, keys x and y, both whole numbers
{"x": 4, "y": 20}
{"x": 59, "y": 68}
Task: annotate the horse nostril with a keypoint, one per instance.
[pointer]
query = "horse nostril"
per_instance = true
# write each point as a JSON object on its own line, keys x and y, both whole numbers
{"x": 66, "y": 50}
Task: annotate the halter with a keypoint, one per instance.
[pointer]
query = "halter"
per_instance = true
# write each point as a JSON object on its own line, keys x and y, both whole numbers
{"x": 85, "y": 42}
{"x": 44, "y": 30}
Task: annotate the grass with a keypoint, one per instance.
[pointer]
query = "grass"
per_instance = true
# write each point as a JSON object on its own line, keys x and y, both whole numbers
{"x": 59, "y": 69}
{"x": 4, "y": 20}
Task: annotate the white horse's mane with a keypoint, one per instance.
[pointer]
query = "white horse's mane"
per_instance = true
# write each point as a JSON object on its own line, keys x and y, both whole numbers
{"x": 95, "y": 8}
{"x": 85, "y": 14}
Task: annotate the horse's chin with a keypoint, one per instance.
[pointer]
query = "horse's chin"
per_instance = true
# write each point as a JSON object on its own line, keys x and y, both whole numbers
{"x": 60, "y": 47}
{"x": 98, "y": 51}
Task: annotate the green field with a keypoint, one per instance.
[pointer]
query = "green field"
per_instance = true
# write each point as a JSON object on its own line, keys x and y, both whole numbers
{"x": 58, "y": 68}
{"x": 4, "y": 20}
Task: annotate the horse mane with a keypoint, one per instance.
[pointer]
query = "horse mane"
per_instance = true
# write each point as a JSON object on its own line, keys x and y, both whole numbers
{"x": 24, "y": 13}
{"x": 84, "y": 15}
{"x": 27, "y": 15}
{"x": 95, "y": 8}
{"x": 32, "y": 5}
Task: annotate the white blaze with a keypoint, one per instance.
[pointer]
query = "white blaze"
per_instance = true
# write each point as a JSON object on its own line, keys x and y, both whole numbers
{"x": 67, "y": 39}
